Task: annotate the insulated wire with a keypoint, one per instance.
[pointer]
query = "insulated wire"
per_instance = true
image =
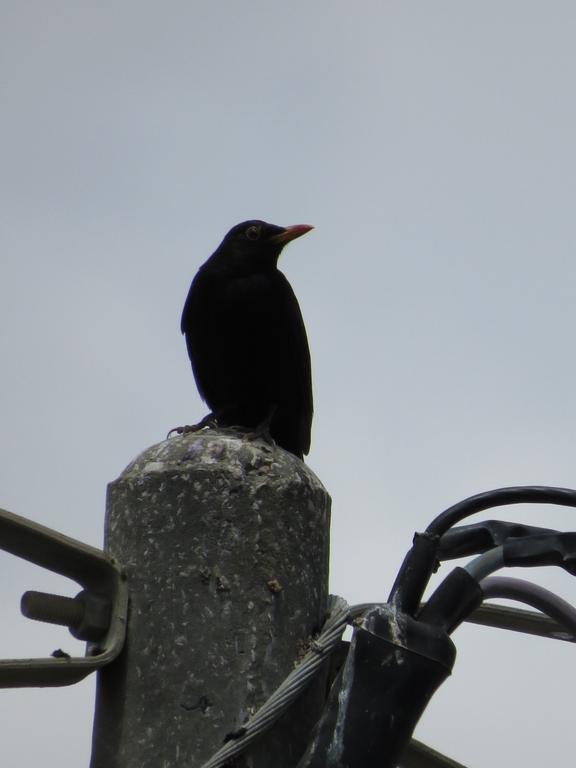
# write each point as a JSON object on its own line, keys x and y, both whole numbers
{"x": 486, "y": 564}
{"x": 532, "y": 594}
{"x": 523, "y": 494}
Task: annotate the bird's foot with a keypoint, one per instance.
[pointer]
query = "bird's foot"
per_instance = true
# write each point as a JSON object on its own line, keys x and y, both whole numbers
{"x": 208, "y": 421}
{"x": 260, "y": 432}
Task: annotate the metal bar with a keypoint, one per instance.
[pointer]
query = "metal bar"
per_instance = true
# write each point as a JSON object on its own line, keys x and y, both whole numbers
{"x": 50, "y": 549}
{"x": 87, "y": 566}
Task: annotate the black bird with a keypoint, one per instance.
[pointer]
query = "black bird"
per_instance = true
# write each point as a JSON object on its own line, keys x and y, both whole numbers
{"x": 246, "y": 338}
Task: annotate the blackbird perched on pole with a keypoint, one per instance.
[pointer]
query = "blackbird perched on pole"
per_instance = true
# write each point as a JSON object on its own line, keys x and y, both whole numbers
{"x": 246, "y": 338}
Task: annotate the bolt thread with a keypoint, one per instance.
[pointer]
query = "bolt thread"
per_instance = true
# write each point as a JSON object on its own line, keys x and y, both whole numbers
{"x": 52, "y": 609}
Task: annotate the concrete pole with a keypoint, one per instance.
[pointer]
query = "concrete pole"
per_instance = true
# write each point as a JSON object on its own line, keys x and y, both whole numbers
{"x": 225, "y": 545}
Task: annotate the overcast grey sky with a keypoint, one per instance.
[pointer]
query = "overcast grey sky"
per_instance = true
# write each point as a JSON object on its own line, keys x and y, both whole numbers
{"x": 432, "y": 146}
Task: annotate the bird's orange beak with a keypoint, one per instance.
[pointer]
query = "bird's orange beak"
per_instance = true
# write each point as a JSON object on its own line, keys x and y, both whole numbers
{"x": 290, "y": 233}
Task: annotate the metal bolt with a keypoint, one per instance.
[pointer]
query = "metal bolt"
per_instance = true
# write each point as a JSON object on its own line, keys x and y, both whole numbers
{"x": 87, "y": 616}
{"x": 53, "y": 609}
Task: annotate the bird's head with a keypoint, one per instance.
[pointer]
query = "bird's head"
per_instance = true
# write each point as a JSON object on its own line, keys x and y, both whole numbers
{"x": 256, "y": 245}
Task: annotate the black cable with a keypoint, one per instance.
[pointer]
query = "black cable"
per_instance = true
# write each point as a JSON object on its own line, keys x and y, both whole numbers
{"x": 419, "y": 564}
{"x": 526, "y": 494}
{"x": 464, "y": 540}
{"x": 557, "y": 549}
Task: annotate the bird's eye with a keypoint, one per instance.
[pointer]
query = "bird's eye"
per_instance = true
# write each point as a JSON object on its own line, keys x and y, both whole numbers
{"x": 253, "y": 233}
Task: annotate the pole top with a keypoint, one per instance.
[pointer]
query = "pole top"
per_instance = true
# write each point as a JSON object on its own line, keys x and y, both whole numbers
{"x": 239, "y": 458}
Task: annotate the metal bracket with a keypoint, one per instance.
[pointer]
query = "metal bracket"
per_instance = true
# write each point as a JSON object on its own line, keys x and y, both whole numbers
{"x": 102, "y": 582}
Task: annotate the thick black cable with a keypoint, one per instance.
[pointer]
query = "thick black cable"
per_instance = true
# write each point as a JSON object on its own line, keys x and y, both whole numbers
{"x": 524, "y": 494}
{"x": 465, "y": 540}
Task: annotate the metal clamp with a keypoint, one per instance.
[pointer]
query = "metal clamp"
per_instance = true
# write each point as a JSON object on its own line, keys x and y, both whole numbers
{"x": 97, "y": 614}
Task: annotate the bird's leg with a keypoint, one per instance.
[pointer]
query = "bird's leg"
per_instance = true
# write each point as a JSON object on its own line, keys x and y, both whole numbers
{"x": 210, "y": 420}
{"x": 262, "y": 431}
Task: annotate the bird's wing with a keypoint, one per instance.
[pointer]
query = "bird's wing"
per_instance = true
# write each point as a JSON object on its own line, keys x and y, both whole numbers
{"x": 198, "y": 326}
{"x": 295, "y": 365}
